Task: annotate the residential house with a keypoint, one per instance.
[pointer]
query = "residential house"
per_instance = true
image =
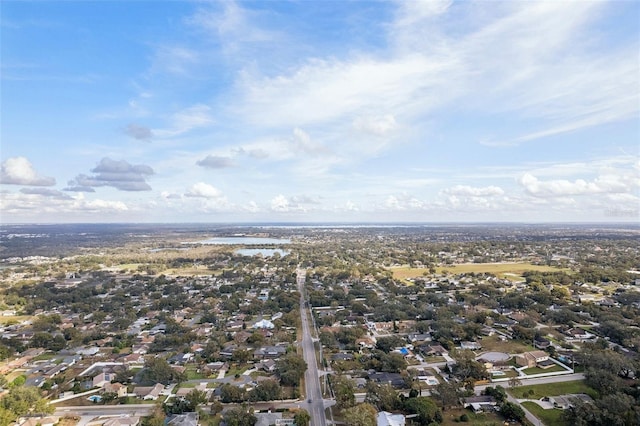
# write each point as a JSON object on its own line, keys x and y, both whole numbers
{"x": 533, "y": 359}
{"x": 473, "y": 346}
{"x": 342, "y": 357}
{"x": 41, "y": 421}
{"x": 386, "y": 418}
{"x": 393, "y": 379}
{"x": 268, "y": 365}
{"x": 479, "y": 403}
{"x": 269, "y": 352}
{"x": 132, "y": 359}
{"x": 185, "y": 419}
{"x": 264, "y": 324}
{"x": 102, "y": 379}
{"x": 122, "y": 421}
{"x": 419, "y": 337}
{"x": 117, "y": 388}
{"x": 148, "y": 392}
{"x": 541, "y": 343}
{"x": 567, "y": 401}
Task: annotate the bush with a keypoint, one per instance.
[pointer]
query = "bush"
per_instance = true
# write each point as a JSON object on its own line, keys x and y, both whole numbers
{"x": 464, "y": 418}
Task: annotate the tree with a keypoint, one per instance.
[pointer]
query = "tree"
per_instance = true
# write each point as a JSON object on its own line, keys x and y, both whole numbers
{"x": 425, "y": 408}
{"x": 22, "y": 400}
{"x": 512, "y": 411}
{"x": 302, "y": 418}
{"x": 514, "y": 382}
{"x": 383, "y": 397}
{"x": 267, "y": 390}
{"x": 386, "y": 344}
{"x": 447, "y": 394}
{"x": 499, "y": 393}
{"x": 361, "y": 415}
{"x": 194, "y": 398}
{"x": 158, "y": 370}
{"x": 241, "y": 355}
{"x": 240, "y": 416}
{"x": 230, "y": 393}
{"x": 344, "y": 390}
{"x": 156, "y": 419}
{"x": 290, "y": 369}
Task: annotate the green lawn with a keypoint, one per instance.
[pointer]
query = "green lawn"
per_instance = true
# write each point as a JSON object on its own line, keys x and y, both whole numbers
{"x": 45, "y": 356}
{"x": 192, "y": 374}
{"x": 538, "y": 370}
{"x": 552, "y": 389}
{"x": 452, "y": 417}
{"x": 552, "y": 417}
{"x": 511, "y": 271}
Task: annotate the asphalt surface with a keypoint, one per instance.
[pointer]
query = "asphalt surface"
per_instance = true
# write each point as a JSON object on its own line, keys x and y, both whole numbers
{"x": 314, "y": 402}
{"x": 106, "y": 410}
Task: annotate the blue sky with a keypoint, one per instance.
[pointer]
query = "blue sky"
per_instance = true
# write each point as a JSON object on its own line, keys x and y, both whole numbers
{"x": 167, "y": 111}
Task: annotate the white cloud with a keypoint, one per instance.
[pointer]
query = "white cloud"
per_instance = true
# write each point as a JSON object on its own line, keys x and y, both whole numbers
{"x": 203, "y": 190}
{"x": 102, "y": 205}
{"x": 118, "y": 174}
{"x": 19, "y": 171}
{"x": 235, "y": 27}
{"x": 302, "y": 142}
{"x": 280, "y": 203}
{"x": 174, "y": 59}
{"x": 216, "y": 162}
{"x": 378, "y": 126}
{"x": 195, "y": 117}
{"x": 465, "y": 190}
{"x": 564, "y": 187}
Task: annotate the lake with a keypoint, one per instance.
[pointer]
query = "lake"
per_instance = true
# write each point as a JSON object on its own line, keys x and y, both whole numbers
{"x": 247, "y": 241}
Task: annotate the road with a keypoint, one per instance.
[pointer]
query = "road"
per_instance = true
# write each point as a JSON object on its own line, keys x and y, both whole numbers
{"x": 106, "y": 410}
{"x": 528, "y": 382}
{"x": 537, "y": 381}
{"x": 314, "y": 402}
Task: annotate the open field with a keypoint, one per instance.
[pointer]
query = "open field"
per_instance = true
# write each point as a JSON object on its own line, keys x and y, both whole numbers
{"x": 199, "y": 270}
{"x": 538, "y": 370}
{"x": 552, "y": 389}
{"x": 552, "y": 417}
{"x": 511, "y": 271}
{"x": 14, "y": 319}
{"x": 494, "y": 344}
{"x": 452, "y": 417}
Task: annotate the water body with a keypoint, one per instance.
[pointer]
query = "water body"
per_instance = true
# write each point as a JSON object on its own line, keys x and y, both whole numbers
{"x": 262, "y": 251}
{"x": 246, "y": 241}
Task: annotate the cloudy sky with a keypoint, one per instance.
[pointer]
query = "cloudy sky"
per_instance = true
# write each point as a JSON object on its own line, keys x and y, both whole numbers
{"x": 300, "y": 111}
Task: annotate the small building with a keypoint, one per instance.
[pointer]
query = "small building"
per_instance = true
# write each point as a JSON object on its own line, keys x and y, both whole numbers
{"x": 264, "y": 324}
{"x": 479, "y": 403}
{"x": 541, "y": 343}
{"x": 148, "y": 393}
{"x": 386, "y": 418}
{"x": 532, "y": 359}
{"x": 184, "y": 419}
{"x": 473, "y": 346}
{"x": 123, "y": 421}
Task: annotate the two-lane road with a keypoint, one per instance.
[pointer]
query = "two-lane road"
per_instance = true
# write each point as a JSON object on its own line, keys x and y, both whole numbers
{"x": 314, "y": 401}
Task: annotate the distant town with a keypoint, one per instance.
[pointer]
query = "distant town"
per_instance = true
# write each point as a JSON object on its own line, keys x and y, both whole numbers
{"x": 357, "y": 325}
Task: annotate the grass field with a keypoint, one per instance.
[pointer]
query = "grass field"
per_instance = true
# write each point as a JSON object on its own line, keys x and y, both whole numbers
{"x": 494, "y": 344}
{"x": 511, "y": 271}
{"x": 14, "y": 319}
{"x": 551, "y": 417}
{"x": 200, "y": 270}
{"x": 538, "y": 370}
{"x": 552, "y": 389}
{"x": 452, "y": 417}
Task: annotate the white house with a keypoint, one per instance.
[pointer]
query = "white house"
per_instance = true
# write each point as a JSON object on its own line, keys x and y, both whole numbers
{"x": 264, "y": 324}
{"x": 386, "y": 418}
